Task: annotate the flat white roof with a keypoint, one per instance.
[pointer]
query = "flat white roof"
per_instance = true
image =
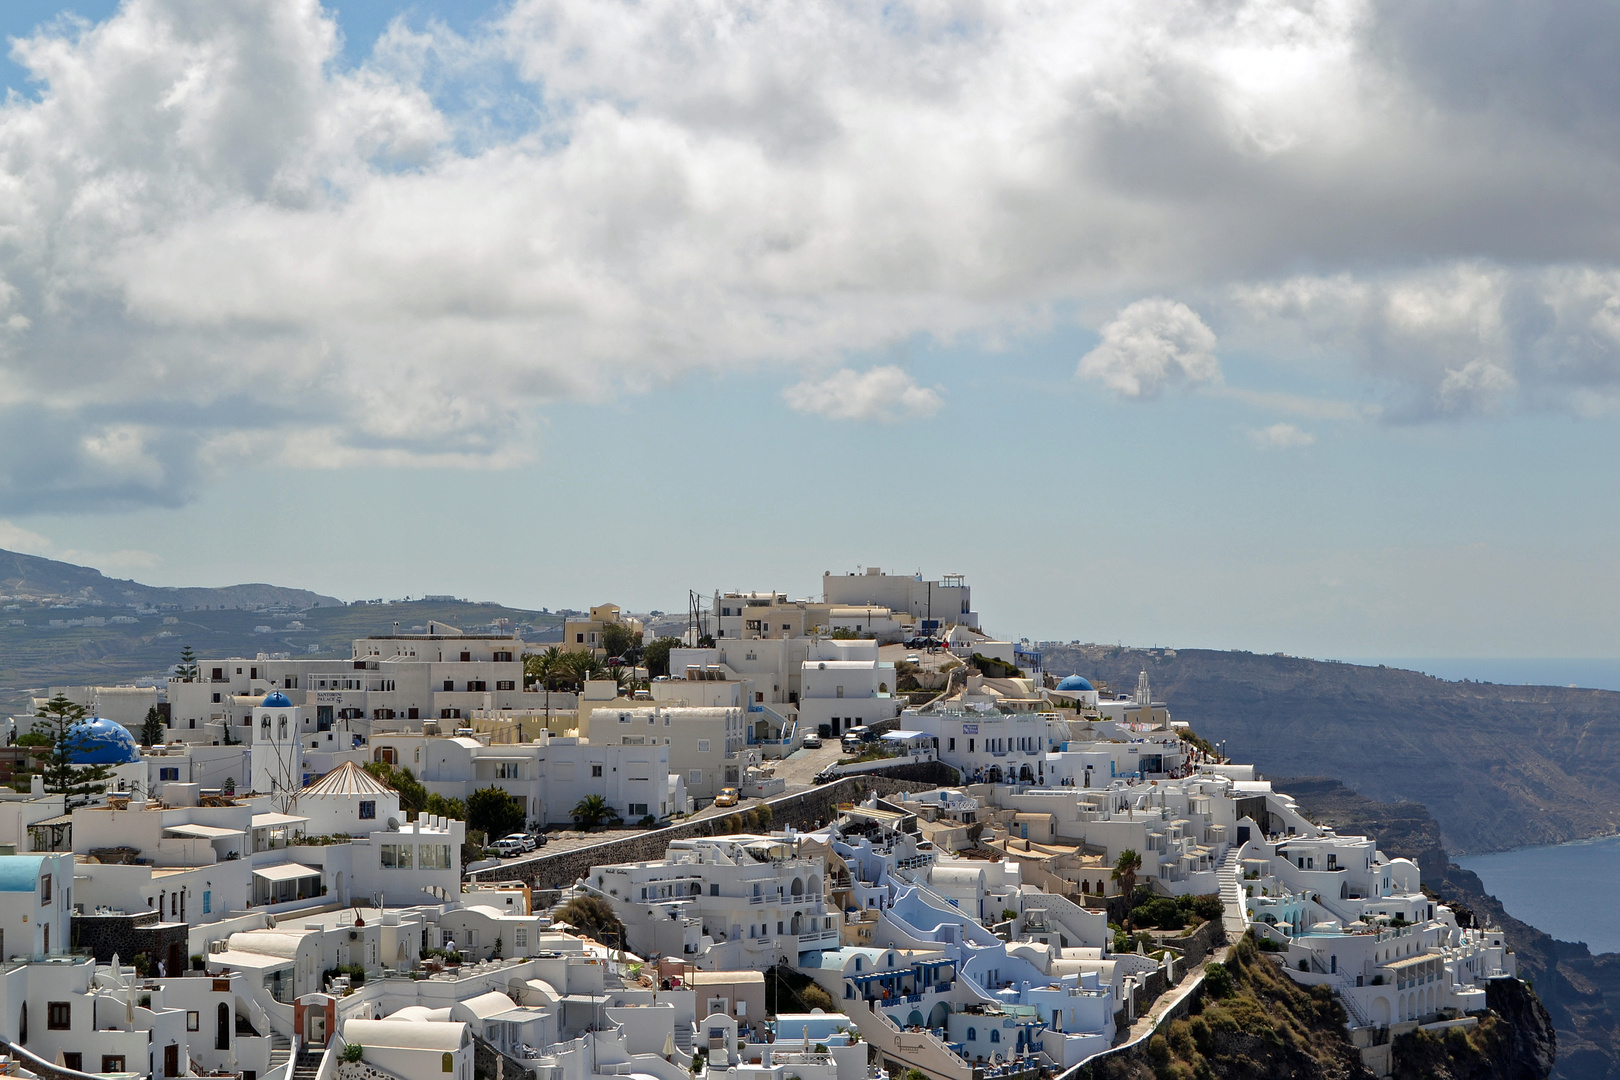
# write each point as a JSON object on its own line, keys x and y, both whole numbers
{"x": 206, "y": 831}
{"x": 286, "y": 872}
{"x": 249, "y": 961}
{"x": 262, "y": 820}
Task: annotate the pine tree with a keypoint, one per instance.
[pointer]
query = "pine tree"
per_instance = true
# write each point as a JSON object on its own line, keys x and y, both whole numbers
{"x": 63, "y": 722}
{"x": 187, "y": 667}
{"x": 153, "y": 731}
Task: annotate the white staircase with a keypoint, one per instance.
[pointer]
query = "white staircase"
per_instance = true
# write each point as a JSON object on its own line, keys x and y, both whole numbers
{"x": 1235, "y": 913}
{"x": 280, "y": 1051}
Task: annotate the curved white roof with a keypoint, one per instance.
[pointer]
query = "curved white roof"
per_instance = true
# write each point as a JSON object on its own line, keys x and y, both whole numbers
{"x": 484, "y": 1006}
{"x": 265, "y": 943}
{"x": 418, "y": 1013}
{"x": 403, "y": 1035}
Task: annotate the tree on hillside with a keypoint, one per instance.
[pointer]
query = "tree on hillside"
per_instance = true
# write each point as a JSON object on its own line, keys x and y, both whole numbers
{"x": 413, "y": 797}
{"x": 593, "y": 810}
{"x": 618, "y": 639}
{"x": 655, "y": 657}
{"x": 595, "y": 918}
{"x": 152, "y": 729}
{"x": 1125, "y": 868}
{"x": 441, "y": 806}
{"x": 187, "y": 667}
{"x": 494, "y": 813}
{"x": 63, "y": 723}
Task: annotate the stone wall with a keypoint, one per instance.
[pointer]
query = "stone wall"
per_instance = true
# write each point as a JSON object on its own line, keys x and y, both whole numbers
{"x": 126, "y": 935}
{"x": 805, "y": 810}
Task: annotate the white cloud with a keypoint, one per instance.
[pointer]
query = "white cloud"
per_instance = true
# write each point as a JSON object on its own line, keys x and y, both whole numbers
{"x": 14, "y": 537}
{"x": 1149, "y": 345}
{"x": 879, "y": 394}
{"x": 214, "y": 227}
{"x": 1281, "y": 437}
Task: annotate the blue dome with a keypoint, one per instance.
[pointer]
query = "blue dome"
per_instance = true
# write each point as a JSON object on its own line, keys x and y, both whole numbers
{"x": 277, "y": 700}
{"x": 98, "y": 741}
{"x": 1075, "y": 682}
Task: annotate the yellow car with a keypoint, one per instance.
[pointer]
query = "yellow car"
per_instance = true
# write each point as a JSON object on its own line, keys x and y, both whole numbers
{"x": 727, "y": 797}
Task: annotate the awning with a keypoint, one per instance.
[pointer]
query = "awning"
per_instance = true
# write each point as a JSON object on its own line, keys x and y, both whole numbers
{"x": 261, "y": 821}
{"x": 250, "y": 961}
{"x": 60, "y": 819}
{"x": 207, "y": 832}
{"x": 1411, "y": 961}
{"x": 286, "y": 872}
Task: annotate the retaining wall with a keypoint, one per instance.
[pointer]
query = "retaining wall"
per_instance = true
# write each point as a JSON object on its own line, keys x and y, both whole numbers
{"x": 805, "y": 810}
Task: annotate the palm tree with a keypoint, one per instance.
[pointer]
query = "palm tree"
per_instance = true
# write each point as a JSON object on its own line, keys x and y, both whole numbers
{"x": 1125, "y": 868}
{"x": 543, "y": 668}
{"x": 621, "y": 676}
{"x": 593, "y": 810}
{"x": 581, "y": 666}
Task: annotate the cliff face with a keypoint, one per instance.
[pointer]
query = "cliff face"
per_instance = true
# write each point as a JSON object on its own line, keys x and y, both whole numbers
{"x": 1498, "y": 766}
{"x": 1570, "y": 985}
{"x": 1254, "y": 1024}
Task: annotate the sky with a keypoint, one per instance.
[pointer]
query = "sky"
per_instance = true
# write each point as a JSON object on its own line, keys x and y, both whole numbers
{"x": 1286, "y": 326}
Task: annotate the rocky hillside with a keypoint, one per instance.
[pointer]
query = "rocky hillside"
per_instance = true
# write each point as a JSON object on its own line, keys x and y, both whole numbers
{"x": 30, "y": 577}
{"x": 1571, "y": 984}
{"x": 1498, "y": 766}
{"x": 1255, "y": 1023}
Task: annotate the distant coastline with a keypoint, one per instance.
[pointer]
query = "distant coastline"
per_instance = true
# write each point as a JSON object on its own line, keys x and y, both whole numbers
{"x": 1593, "y": 673}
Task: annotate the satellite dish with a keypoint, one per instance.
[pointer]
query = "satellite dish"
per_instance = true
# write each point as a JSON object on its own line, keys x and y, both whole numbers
{"x": 393, "y": 824}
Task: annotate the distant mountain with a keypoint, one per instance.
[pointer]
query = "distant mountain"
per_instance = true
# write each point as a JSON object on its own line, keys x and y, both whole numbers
{"x": 1498, "y": 766}
{"x": 30, "y": 577}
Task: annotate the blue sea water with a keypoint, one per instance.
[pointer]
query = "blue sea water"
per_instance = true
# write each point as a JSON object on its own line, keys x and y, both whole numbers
{"x": 1597, "y": 673}
{"x": 1535, "y": 884}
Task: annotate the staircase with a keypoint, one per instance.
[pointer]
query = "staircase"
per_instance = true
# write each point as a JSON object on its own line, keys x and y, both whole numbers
{"x": 1235, "y": 913}
{"x": 308, "y": 1065}
{"x": 280, "y": 1051}
{"x": 686, "y": 1040}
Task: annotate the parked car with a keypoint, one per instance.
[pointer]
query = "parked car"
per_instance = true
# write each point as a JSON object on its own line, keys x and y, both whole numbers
{"x": 912, "y": 659}
{"x": 508, "y": 847}
{"x": 524, "y": 841}
{"x": 860, "y": 733}
{"x": 812, "y": 741}
{"x": 727, "y": 797}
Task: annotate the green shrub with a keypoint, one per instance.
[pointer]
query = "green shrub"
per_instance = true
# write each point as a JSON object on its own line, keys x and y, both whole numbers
{"x": 1217, "y": 981}
{"x": 353, "y": 1052}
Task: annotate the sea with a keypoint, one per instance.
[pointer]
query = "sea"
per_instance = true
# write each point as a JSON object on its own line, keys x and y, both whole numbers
{"x": 1532, "y": 884}
{"x": 1521, "y": 878}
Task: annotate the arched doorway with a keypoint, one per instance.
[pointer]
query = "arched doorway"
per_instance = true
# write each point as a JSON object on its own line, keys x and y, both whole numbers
{"x": 1380, "y": 1012}
{"x": 915, "y": 1019}
{"x": 940, "y": 1015}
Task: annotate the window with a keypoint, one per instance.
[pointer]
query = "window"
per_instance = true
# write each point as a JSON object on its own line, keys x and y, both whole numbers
{"x": 520, "y": 938}
{"x": 466, "y": 657}
{"x": 995, "y": 1036}
{"x": 208, "y": 901}
{"x": 169, "y": 774}
{"x": 703, "y": 746}
{"x": 111, "y": 1063}
{"x": 596, "y": 770}
{"x": 505, "y": 684}
{"x": 44, "y": 890}
{"x": 59, "y": 1015}
{"x": 448, "y": 1062}
{"x": 840, "y": 691}
{"x": 74, "y": 1060}
{"x": 714, "y": 890}
{"x": 216, "y": 699}
{"x": 449, "y": 684}
{"x": 368, "y": 810}
{"x": 193, "y": 1021}
{"x": 695, "y": 777}
{"x": 579, "y": 639}
{"x": 952, "y": 746}
{"x": 973, "y": 1034}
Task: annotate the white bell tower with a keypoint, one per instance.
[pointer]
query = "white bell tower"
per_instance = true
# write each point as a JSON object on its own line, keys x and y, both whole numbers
{"x": 277, "y": 753}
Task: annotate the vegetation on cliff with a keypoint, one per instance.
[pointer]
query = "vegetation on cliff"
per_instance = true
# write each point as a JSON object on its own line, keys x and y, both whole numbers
{"x": 1252, "y": 1021}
